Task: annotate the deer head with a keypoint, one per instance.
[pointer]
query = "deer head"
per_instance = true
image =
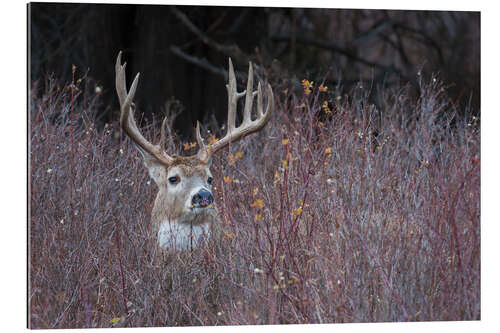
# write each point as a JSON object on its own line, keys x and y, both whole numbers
{"x": 184, "y": 208}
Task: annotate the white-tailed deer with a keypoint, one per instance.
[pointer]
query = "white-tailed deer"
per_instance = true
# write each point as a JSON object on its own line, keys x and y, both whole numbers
{"x": 184, "y": 210}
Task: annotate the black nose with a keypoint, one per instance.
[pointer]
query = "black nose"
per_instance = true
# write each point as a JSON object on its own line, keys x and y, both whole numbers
{"x": 202, "y": 199}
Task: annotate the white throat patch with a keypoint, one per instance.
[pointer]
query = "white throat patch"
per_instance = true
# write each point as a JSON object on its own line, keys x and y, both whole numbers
{"x": 182, "y": 236}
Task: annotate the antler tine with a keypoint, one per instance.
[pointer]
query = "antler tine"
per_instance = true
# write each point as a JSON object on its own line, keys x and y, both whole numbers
{"x": 248, "y": 125}
{"x": 259, "y": 100}
{"x": 127, "y": 117}
{"x": 203, "y": 153}
{"x": 249, "y": 98}
{"x": 232, "y": 98}
{"x": 121, "y": 89}
{"x": 162, "y": 133}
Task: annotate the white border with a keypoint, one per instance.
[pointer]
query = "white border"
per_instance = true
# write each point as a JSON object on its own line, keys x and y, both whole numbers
{"x": 13, "y": 138}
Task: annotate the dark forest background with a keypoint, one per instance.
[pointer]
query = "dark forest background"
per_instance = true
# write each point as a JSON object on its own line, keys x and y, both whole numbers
{"x": 182, "y": 51}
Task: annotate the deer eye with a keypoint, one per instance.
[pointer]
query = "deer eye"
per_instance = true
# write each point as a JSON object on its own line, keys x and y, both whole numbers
{"x": 209, "y": 180}
{"x": 174, "y": 179}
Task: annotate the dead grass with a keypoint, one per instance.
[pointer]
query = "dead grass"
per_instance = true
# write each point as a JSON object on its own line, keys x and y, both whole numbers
{"x": 336, "y": 213}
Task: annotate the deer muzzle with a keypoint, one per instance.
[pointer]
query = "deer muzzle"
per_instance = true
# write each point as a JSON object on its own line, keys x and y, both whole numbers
{"x": 202, "y": 199}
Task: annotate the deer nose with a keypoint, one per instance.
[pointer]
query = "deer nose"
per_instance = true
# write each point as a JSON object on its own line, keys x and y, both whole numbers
{"x": 202, "y": 199}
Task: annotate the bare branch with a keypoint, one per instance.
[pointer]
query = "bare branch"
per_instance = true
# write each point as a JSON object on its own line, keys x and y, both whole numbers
{"x": 205, "y": 64}
{"x": 230, "y": 50}
{"x": 337, "y": 49}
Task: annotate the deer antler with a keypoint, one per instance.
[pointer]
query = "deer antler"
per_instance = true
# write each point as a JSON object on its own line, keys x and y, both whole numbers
{"x": 248, "y": 125}
{"x": 127, "y": 117}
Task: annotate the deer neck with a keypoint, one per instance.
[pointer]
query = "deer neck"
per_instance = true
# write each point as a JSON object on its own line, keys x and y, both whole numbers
{"x": 182, "y": 236}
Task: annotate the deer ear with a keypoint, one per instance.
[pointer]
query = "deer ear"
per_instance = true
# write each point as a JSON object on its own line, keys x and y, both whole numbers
{"x": 156, "y": 169}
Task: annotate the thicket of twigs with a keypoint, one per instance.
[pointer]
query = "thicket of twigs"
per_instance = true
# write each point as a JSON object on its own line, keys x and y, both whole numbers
{"x": 335, "y": 212}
